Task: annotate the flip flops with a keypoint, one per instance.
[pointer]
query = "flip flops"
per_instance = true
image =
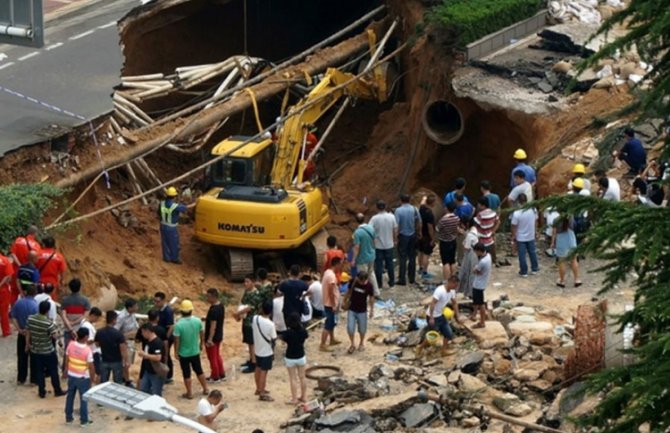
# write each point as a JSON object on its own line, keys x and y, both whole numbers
{"x": 265, "y": 397}
{"x": 351, "y": 350}
{"x": 187, "y": 396}
{"x": 561, "y": 285}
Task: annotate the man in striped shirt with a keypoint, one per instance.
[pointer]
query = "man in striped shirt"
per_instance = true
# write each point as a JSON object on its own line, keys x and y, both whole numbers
{"x": 447, "y": 230}
{"x": 41, "y": 332}
{"x": 80, "y": 369}
{"x": 487, "y": 223}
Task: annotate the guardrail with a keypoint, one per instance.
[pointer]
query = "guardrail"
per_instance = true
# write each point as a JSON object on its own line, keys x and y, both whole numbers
{"x": 506, "y": 36}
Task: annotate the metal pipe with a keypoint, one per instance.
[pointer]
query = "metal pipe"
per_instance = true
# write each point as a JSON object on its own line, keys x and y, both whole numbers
{"x": 18, "y": 32}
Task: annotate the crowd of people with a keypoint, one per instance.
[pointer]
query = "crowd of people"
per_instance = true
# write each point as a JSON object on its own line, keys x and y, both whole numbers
{"x": 350, "y": 279}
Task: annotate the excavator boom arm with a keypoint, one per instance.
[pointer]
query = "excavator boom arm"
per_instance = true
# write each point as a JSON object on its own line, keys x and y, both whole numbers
{"x": 310, "y": 109}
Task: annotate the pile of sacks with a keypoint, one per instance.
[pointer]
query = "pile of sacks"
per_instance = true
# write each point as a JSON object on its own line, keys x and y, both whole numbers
{"x": 585, "y": 11}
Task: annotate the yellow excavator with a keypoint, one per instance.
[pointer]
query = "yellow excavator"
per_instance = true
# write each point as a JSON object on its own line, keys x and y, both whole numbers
{"x": 258, "y": 201}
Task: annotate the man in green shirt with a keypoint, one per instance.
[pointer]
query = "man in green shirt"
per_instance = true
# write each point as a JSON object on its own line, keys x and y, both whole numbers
{"x": 189, "y": 336}
{"x": 40, "y": 335}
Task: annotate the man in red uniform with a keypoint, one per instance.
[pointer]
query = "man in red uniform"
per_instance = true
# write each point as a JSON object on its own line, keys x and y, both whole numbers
{"x": 51, "y": 265}
{"x": 23, "y": 245}
{"x": 6, "y": 275}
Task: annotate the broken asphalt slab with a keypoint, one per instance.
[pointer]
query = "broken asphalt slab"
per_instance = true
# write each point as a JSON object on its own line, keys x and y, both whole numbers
{"x": 470, "y": 362}
{"x": 419, "y": 414}
{"x": 492, "y": 335}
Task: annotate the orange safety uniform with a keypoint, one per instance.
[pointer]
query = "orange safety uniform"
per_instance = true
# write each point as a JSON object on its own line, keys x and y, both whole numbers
{"x": 6, "y": 275}
{"x": 310, "y": 168}
{"x": 330, "y": 255}
{"x": 51, "y": 265}
{"x": 22, "y": 246}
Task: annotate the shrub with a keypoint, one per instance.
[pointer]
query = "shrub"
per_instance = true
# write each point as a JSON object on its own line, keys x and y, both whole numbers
{"x": 23, "y": 205}
{"x": 469, "y": 20}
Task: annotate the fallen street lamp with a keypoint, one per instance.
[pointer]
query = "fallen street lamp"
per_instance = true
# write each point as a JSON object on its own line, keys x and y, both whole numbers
{"x": 137, "y": 404}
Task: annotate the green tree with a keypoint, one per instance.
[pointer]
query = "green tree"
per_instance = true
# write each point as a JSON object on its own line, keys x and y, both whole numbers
{"x": 634, "y": 243}
{"x": 23, "y": 205}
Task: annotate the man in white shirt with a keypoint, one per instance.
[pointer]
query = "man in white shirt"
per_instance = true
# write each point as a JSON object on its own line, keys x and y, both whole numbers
{"x": 482, "y": 273}
{"x": 609, "y": 188}
{"x": 46, "y": 296}
{"x": 277, "y": 312}
{"x": 89, "y": 323}
{"x": 264, "y": 335}
{"x": 442, "y": 296}
{"x": 523, "y": 235}
{"x": 210, "y": 407}
{"x": 315, "y": 293}
{"x": 386, "y": 228}
{"x": 522, "y": 187}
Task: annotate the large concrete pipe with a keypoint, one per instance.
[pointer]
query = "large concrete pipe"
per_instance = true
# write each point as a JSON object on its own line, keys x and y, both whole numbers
{"x": 443, "y": 122}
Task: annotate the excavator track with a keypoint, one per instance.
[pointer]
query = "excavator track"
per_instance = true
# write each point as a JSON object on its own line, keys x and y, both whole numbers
{"x": 239, "y": 263}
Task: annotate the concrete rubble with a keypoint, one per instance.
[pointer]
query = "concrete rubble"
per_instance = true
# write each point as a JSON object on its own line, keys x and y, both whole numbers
{"x": 500, "y": 384}
{"x": 533, "y": 75}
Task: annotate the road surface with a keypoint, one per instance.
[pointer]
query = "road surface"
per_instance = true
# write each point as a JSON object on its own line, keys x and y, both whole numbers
{"x": 76, "y": 70}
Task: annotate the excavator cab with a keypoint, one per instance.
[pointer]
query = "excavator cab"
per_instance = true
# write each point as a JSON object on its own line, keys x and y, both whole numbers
{"x": 249, "y": 166}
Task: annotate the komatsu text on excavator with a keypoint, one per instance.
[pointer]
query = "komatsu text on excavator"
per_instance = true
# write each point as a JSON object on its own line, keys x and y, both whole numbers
{"x": 258, "y": 200}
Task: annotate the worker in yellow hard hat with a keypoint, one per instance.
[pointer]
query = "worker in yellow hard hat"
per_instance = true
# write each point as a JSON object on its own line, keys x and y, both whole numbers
{"x": 168, "y": 214}
{"x": 521, "y": 158}
{"x": 579, "y": 187}
{"x": 579, "y": 171}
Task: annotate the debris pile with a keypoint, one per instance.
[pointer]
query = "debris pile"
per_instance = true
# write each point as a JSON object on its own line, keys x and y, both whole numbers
{"x": 504, "y": 377}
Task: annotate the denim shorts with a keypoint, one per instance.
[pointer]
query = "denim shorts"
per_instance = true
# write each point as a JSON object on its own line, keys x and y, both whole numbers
{"x": 330, "y": 319}
{"x": 443, "y": 327}
{"x": 360, "y": 319}
{"x": 300, "y": 362}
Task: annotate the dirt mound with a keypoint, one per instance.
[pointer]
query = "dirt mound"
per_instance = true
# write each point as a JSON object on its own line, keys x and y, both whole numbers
{"x": 100, "y": 251}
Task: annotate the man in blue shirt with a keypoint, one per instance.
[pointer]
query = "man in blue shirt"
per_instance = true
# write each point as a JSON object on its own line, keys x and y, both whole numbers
{"x": 494, "y": 199}
{"x": 459, "y": 188}
{"x": 521, "y": 158}
{"x": 364, "y": 254}
{"x": 409, "y": 224}
{"x": 24, "y": 308}
{"x": 633, "y": 153}
{"x": 168, "y": 213}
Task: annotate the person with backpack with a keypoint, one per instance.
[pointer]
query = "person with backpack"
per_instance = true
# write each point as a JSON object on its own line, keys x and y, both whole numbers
{"x": 295, "y": 336}
{"x": 265, "y": 335}
{"x": 51, "y": 266}
{"x": 28, "y": 274}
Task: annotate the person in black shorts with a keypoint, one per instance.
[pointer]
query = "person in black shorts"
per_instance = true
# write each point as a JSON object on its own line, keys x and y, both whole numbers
{"x": 426, "y": 243}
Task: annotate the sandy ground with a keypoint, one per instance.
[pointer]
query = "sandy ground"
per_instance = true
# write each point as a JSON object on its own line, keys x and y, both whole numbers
{"x": 22, "y": 410}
